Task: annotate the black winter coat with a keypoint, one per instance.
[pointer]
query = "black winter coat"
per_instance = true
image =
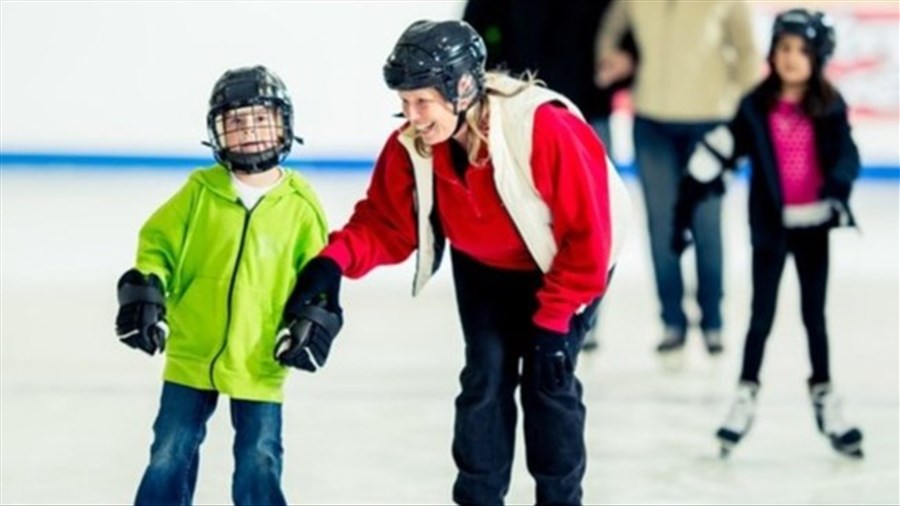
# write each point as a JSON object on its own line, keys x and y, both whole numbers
{"x": 838, "y": 159}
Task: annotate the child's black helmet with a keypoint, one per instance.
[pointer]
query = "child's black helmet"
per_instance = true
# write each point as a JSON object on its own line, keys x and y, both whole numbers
{"x": 437, "y": 54}
{"x": 815, "y": 28}
{"x": 242, "y": 87}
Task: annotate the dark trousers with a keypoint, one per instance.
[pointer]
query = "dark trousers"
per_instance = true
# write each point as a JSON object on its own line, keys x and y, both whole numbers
{"x": 809, "y": 246}
{"x": 495, "y": 307}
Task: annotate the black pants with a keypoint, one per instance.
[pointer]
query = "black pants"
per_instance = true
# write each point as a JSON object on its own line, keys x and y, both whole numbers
{"x": 495, "y": 307}
{"x": 809, "y": 246}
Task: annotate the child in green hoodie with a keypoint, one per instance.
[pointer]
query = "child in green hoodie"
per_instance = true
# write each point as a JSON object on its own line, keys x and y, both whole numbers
{"x": 215, "y": 266}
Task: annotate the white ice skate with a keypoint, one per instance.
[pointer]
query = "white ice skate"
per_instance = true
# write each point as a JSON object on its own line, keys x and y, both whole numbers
{"x": 739, "y": 419}
{"x": 844, "y": 437}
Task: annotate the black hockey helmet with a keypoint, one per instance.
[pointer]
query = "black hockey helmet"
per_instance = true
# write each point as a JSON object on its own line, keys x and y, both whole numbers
{"x": 437, "y": 54}
{"x": 242, "y": 87}
{"x": 813, "y": 26}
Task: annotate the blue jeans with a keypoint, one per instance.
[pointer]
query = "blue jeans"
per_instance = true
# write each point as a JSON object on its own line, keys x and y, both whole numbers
{"x": 602, "y": 129}
{"x": 179, "y": 430}
{"x": 662, "y": 150}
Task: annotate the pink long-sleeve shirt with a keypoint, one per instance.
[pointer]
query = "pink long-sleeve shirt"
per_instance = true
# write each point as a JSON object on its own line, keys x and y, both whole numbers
{"x": 794, "y": 142}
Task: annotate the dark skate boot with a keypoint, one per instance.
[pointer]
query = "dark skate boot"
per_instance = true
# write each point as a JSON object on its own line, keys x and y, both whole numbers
{"x": 712, "y": 338}
{"x": 740, "y": 417}
{"x": 844, "y": 437}
{"x": 672, "y": 341}
{"x": 591, "y": 342}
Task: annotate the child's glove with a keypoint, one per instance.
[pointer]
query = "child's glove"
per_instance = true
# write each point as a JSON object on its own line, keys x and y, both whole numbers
{"x": 141, "y": 321}
{"x": 553, "y": 362}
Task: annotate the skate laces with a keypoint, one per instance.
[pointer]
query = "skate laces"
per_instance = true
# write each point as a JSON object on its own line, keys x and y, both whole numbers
{"x": 741, "y": 413}
{"x": 832, "y": 416}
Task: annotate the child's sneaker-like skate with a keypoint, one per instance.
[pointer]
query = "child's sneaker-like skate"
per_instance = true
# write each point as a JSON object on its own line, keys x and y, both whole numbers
{"x": 845, "y": 438}
{"x": 740, "y": 417}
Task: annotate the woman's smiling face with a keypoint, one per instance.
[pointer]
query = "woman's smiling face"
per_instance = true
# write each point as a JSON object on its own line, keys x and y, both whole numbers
{"x": 430, "y": 114}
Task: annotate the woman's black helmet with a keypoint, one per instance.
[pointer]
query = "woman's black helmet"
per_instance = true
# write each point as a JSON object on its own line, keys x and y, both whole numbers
{"x": 437, "y": 54}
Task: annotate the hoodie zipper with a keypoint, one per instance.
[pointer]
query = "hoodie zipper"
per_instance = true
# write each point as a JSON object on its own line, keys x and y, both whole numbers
{"x": 234, "y": 272}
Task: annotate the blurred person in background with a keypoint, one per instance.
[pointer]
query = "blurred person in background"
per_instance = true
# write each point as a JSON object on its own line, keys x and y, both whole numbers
{"x": 215, "y": 265}
{"x": 555, "y": 41}
{"x": 518, "y": 183}
{"x": 696, "y": 59}
{"x": 795, "y": 131}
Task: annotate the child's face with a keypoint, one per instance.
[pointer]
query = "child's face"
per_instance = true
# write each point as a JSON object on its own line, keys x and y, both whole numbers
{"x": 430, "y": 114}
{"x": 251, "y": 129}
{"x": 791, "y": 60}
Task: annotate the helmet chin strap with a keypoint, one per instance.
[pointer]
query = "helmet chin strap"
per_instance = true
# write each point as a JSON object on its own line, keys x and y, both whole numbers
{"x": 460, "y": 115}
{"x": 460, "y": 121}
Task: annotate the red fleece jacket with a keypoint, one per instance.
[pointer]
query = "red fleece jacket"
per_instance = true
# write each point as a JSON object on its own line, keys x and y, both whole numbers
{"x": 569, "y": 170}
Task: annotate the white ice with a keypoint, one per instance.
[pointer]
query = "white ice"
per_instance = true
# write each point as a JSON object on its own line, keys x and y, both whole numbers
{"x": 375, "y": 426}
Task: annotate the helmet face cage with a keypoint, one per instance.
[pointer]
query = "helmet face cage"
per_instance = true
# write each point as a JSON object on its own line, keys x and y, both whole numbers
{"x": 439, "y": 55}
{"x": 249, "y": 123}
{"x": 814, "y": 27}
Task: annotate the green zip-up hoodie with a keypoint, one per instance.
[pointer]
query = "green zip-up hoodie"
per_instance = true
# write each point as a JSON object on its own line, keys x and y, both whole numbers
{"x": 227, "y": 273}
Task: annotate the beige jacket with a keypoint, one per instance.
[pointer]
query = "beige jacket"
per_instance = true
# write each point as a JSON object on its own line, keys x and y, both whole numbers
{"x": 697, "y": 58}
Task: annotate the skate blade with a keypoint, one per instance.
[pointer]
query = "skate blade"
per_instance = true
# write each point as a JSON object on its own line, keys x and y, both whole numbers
{"x": 589, "y": 346}
{"x": 725, "y": 451}
{"x": 852, "y": 451}
{"x": 850, "y": 444}
{"x": 715, "y": 352}
{"x": 727, "y": 442}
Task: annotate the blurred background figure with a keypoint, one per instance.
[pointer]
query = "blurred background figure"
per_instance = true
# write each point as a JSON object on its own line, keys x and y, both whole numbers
{"x": 794, "y": 128}
{"x": 696, "y": 59}
{"x": 555, "y": 40}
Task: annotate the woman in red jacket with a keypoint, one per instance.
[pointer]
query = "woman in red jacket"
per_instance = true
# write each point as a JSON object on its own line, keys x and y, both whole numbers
{"x": 520, "y": 185}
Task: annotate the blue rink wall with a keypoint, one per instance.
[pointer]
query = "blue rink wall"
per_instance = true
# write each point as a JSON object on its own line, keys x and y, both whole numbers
{"x": 93, "y": 162}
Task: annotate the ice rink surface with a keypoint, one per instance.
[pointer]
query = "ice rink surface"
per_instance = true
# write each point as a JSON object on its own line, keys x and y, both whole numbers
{"x": 375, "y": 426}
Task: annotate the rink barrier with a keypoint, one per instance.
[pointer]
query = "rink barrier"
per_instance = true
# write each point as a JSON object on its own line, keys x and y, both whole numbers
{"x": 20, "y": 161}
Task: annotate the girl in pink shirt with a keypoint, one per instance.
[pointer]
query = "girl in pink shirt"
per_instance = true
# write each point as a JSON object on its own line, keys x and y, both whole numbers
{"x": 795, "y": 131}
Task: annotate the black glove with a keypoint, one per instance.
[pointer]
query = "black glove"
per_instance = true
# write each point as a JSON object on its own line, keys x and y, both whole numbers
{"x": 141, "y": 322}
{"x": 690, "y": 194}
{"x": 312, "y": 316}
{"x": 553, "y": 363}
{"x": 318, "y": 282}
{"x": 306, "y": 340}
